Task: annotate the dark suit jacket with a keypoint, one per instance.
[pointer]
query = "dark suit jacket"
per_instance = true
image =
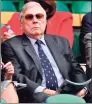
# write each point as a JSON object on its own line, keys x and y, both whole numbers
{"x": 85, "y": 28}
{"x": 88, "y": 48}
{"x": 28, "y": 70}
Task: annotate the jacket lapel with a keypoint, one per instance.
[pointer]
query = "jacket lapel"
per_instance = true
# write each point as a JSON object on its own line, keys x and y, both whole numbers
{"x": 58, "y": 56}
{"x": 55, "y": 51}
{"x": 31, "y": 51}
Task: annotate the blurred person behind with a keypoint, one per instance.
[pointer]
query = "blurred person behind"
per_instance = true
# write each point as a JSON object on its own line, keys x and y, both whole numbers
{"x": 86, "y": 48}
{"x": 85, "y": 28}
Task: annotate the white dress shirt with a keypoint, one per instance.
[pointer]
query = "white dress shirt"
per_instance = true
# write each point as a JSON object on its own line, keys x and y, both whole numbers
{"x": 46, "y": 50}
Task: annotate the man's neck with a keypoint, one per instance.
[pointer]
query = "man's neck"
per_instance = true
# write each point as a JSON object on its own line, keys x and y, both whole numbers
{"x": 36, "y": 37}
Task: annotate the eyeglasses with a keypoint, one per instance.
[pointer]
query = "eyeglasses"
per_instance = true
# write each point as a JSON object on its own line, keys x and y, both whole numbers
{"x": 39, "y": 16}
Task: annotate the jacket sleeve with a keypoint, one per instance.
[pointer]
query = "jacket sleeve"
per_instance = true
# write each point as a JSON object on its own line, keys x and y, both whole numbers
{"x": 9, "y": 55}
{"x": 76, "y": 73}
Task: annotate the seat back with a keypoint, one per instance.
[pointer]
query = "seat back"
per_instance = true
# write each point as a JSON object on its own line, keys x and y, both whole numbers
{"x": 60, "y": 24}
{"x": 14, "y": 23}
{"x": 76, "y": 48}
{"x": 61, "y": 6}
{"x": 1, "y": 25}
{"x": 81, "y": 7}
{"x": 64, "y": 98}
{"x": 7, "y": 6}
{"x": 2, "y": 101}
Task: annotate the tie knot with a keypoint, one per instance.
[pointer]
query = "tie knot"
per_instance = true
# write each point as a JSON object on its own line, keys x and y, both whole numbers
{"x": 38, "y": 42}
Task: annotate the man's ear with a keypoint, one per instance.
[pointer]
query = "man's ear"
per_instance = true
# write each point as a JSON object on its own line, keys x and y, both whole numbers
{"x": 21, "y": 23}
{"x": 46, "y": 21}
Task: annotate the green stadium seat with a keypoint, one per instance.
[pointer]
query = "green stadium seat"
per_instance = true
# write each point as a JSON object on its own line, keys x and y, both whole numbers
{"x": 61, "y": 6}
{"x": 7, "y": 6}
{"x": 21, "y": 3}
{"x": 76, "y": 48}
{"x": 2, "y": 101}
{"x": 65, "y": 99}
{"x": 67, "y": 1}
{"x": 1, "y": 25}
{"x": 81, "y": 7}
{"x": 18, "y": 4}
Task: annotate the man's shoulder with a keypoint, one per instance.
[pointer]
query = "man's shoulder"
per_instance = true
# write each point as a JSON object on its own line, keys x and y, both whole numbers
{"x": 56, "y": 37}
{"x": 87, "y": 16}
{"x": 13, "y": 42}
{"x": 59, "y": 40}
{"x": 14, "y": 39}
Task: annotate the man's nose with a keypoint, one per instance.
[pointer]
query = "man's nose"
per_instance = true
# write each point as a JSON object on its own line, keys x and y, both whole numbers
{"x": 35, "y": 19}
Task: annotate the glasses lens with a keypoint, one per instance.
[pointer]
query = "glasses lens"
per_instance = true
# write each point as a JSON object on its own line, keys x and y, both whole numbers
{"x": 29, "y": 17}
{"x": 39, "y": 16}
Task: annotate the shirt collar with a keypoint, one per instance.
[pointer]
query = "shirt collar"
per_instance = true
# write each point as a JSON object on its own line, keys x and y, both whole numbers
{"x": 34, "y": 40}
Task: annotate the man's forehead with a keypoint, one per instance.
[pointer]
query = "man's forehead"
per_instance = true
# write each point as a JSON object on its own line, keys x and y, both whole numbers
{"x": 35, "y": 9}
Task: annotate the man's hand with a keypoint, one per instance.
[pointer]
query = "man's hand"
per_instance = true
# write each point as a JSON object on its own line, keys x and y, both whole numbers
{"x": 81, "y": 93}
{"x": 50, "y": 92}
{"x": 9, "y": 70}
{"x": 8, "y": 35}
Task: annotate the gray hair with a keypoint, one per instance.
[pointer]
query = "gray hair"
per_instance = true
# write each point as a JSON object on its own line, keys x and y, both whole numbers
{"x": 28, "y": 5}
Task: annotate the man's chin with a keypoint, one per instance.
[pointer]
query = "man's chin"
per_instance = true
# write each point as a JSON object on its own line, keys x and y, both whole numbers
{"x": 37, "y": 33}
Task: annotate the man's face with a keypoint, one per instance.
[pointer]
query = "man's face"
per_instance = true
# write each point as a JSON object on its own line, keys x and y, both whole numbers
{"x": 34, "y": 21}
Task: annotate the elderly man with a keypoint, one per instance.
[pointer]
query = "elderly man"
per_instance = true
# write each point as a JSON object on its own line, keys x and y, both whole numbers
{"x": 41, "y": 61}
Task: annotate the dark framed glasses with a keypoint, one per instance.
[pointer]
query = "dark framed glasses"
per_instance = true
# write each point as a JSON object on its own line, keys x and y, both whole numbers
{"x": 39, "y": 16}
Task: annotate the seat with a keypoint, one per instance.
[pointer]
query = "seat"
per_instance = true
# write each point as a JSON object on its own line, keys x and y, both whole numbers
{"x": 60, "y": 24}
{"x": 21, "y": 3}
{"x": 15, "y": 27}
{"x": 64, "y": 98}
{"x": 2, "y": 101}
{"x": 76, "y": 48}
{"x": 18, "y": 4}
{"x": 67, "y": 1}
{"x": 7, "y": 6}
{"x": 4, "y": 20}
{"x": 61, "y": 6}
{"x": 76, "y": 20}
{"x": 81, "y": 7}
{"x": 1, "y": 25}
{"x": 14, "y": 18}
